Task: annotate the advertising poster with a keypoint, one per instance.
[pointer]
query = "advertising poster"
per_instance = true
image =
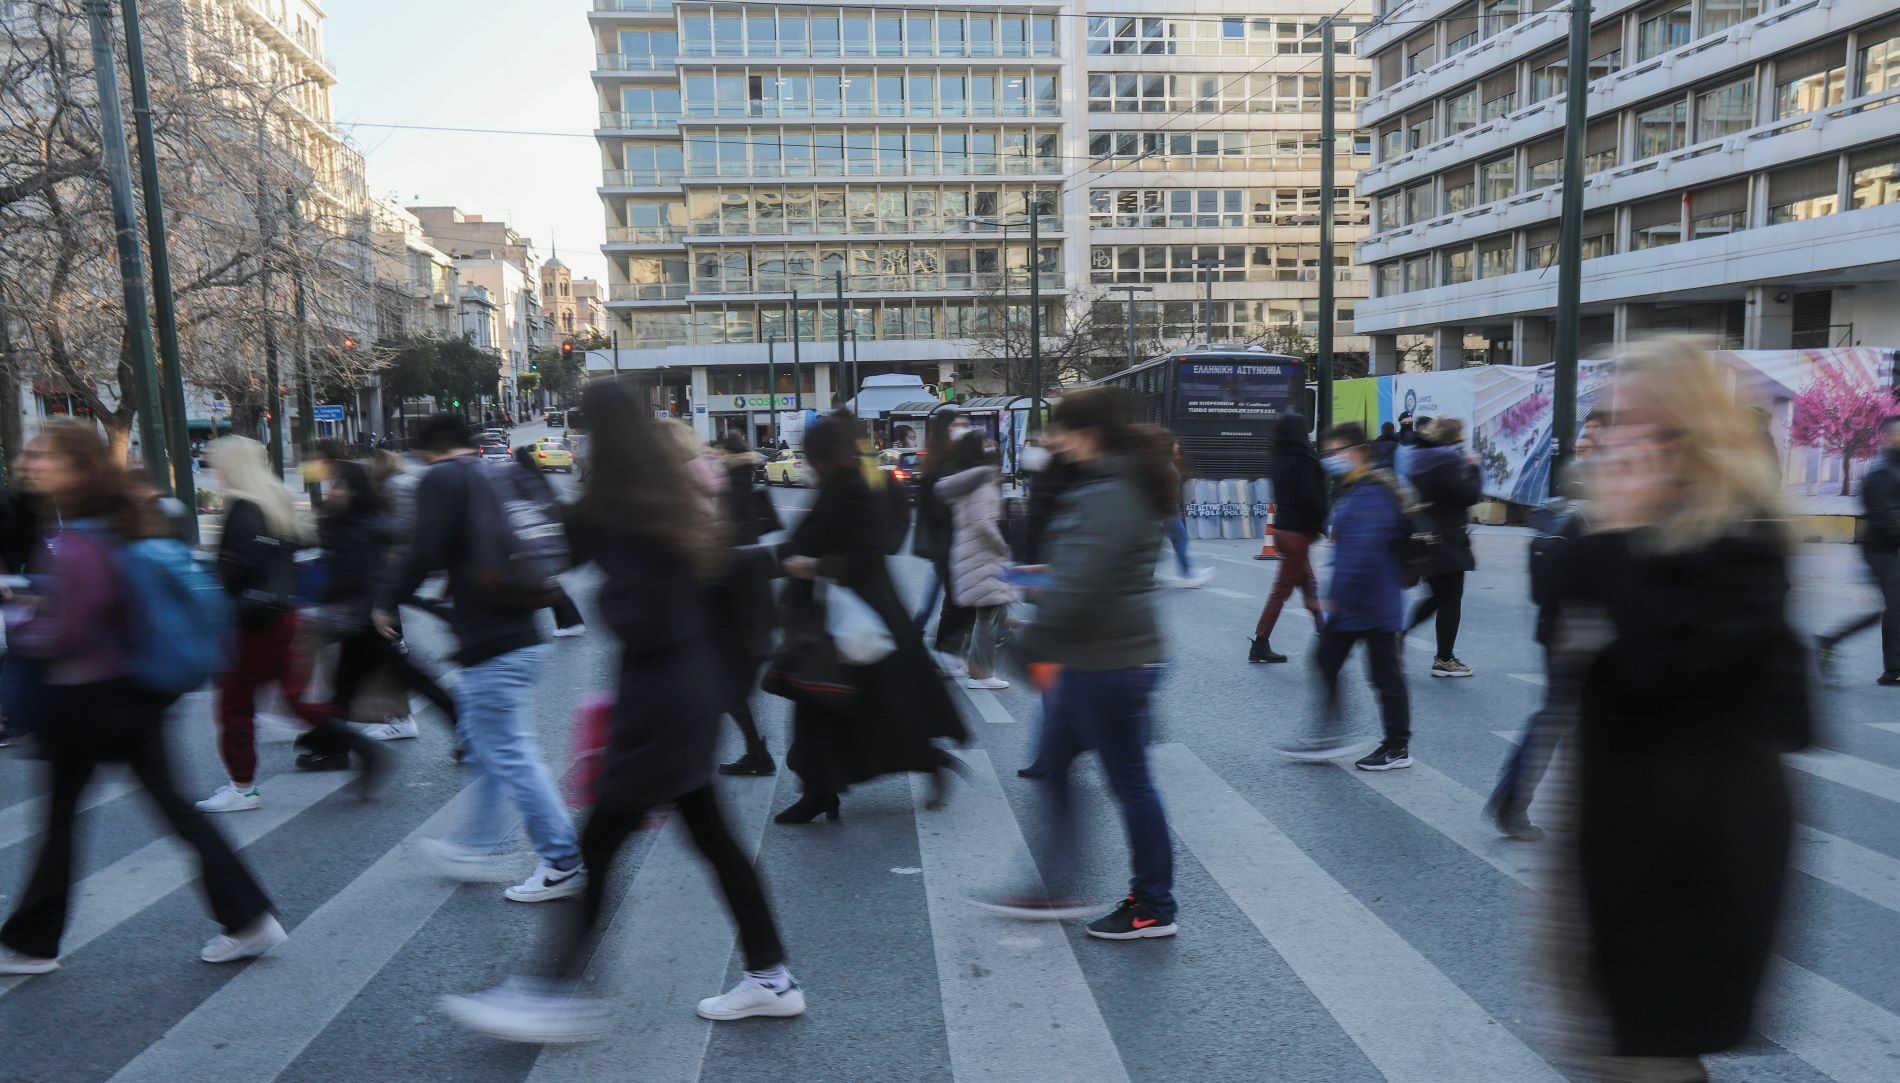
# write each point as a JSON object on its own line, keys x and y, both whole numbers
{"x": 1221, "y": 391}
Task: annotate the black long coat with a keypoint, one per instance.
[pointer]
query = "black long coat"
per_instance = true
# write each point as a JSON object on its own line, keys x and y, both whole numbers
{"x": 1684, "y": 816}
{"x": 902, "y": 704}
{"x": 1447, "y": 485}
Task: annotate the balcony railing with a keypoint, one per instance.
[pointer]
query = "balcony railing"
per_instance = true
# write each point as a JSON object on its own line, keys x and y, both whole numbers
{"x": 633, "y": 62}
{"x": 635, "y": 178}
{"x": 801, "y": 50}
{"x": 644, "y": 234}
{"x": 919, "y": 282}
{"x": 657, "y": 118}
{"x": 842, "y": 225}
{"x": 646, "y": 291}
{"x": 799, "y": 109}
{"x": 633, "y": 5}
{"x": 981, "y": 165}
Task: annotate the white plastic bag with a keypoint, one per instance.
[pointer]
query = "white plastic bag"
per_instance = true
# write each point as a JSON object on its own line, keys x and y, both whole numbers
{"x": 855, "y": 627}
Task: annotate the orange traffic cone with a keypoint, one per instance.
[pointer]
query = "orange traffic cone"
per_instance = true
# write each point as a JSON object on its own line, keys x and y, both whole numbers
{"x": 1267, "y": 551}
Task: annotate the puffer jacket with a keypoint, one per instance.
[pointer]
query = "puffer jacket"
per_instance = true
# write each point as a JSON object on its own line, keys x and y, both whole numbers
{"x": 978, "y": 553}
{"x": 1447, "y": 484}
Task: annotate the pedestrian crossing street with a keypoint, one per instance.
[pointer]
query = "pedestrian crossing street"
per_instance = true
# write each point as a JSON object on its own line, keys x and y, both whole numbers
{"x": 1334, "y": 983}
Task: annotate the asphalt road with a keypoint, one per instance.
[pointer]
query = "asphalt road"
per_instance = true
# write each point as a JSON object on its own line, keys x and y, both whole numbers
{"x": 1337, "y": 927}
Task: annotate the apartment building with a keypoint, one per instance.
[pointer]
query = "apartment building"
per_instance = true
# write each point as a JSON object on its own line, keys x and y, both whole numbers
{"x": 759, "y": 160}
{"x": 491, "y": 254}
{"x": 1742, "y": 175}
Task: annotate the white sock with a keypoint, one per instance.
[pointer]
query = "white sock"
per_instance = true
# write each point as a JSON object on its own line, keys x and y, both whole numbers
{"x": 778, "y": 979}
{"x": 245, "y": 790}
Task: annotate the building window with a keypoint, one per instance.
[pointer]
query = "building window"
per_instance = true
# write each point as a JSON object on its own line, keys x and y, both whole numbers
{"x": 1599, "y": 144}
{"x": 1656, "y": 223}
{"x": 1546, "y": 159}
{"x": 1662, "y": 129}
{"x": 1389, "y": 280}
{"x": 1549, "y": 80}
{"x": 1418, "y": 274}
{"x": 1458, "y": 197}
{"x": 1718, "y": 211}
{"x": 1662, "y": 32}
{"x": 1874, "y": 176}
{"x": 1812, "y": 81}
{"x": 1418, "y": 130}
{"x": 1496, "y": 257}
{"x": 1498, "y": 95}
{"x": 1418, "y": 203}
{"x": 1389, "y": 216}
{"x": 1499, "y": 15}
{"x": 1457, "y": 267}
{"x": 1461, "y": 111}
{"x": 1725, "y": 111}
{"x": 1880, "y": 65}
{"x": 1499, "y": 177}
{"x": 1719, "y": 15}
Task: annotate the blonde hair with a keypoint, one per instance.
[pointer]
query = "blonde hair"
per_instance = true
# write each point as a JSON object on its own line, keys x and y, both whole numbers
{"x": 1729, "y": 481}
{"x": 679, "y": 436}
{"x": 247, "y": 476}
{"x": 1447, "y": 431}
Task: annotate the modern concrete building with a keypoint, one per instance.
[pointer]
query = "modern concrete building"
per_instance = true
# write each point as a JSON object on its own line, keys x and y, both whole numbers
{"x": 493, "y": 256}
{"x": 1742, "y": 175}
{"x": 758, "y": 159}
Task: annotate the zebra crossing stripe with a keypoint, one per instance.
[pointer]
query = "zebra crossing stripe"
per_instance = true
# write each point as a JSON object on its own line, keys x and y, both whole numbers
{"x": 1309, "y": 917}
{"x": 24, "y": 819}
{"x": 118, "y": 892}
{"x": 988, "y": 705}
{"x": 257, "y": 1023}
{"x": 1016, "y": 1006}
{"x": 669, "y": 945}
{"x": 1842, "y": 1035}
{"x": 1871, "y": 778}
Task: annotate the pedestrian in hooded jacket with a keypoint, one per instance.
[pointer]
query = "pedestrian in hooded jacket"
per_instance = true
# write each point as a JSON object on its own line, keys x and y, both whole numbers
{"x": 1880, "y": 547}
{"x": 1444, "y": 476}
{"x": 1299, "y": 514}
{"x": 1364, "y": 602}
{"x": 979, "y": 556}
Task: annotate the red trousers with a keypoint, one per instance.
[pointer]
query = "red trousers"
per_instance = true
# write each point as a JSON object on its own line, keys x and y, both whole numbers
{"x": 1296, "y": 570}
{"x": 265, "y": 654}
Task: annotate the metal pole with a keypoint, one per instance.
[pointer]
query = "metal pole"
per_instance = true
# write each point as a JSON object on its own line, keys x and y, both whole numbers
{"x": 837, "y": 374}
{"x": 178, "y": 433}
{"x": 267, "y": 224}
{"x": 1035, "y": 315}
{"x": 1129, "y": 292}
{"x": 857, "y": 373}
{"x": 771, "y": 382}
{"x": 798, "y": 368}
{"x": 138, "y": 322}
{"x": 306, "y": 402}
{"x": 1207, "y": 307}
{"x": 1328, "y": 140}
{"x": 1570, "y": 241}
{"x": 616, "y": 344}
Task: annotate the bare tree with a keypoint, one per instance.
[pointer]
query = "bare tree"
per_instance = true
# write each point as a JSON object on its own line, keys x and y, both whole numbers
{"x": 243, "y": 207}
{"x": 1079, "y": 340}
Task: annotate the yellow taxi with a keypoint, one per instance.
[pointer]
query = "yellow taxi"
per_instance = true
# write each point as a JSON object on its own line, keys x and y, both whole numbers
{"x": 552, "y": 453}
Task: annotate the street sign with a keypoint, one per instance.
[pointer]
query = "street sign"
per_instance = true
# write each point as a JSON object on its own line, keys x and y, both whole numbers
{"x": 699, "y": 407}
{"x": 219, "y": 406}
{"x": 326, "y": 412}
{"x": 760, "y": 402}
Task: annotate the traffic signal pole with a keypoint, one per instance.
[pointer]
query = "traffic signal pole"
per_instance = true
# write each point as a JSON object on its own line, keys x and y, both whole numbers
{"x": 1328, "y": 140}
{"x": 1570, "y": 244}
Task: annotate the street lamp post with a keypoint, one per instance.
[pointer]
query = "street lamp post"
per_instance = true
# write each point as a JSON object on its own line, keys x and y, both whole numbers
{"x": 1328, "y": 140}
{"x": 798, "y": 369}
{"x": 1570, "y": 241}
{"x": 771, "y": 382}
{"x": 1130, "y": 292}
{"x": 1207, "y": 265}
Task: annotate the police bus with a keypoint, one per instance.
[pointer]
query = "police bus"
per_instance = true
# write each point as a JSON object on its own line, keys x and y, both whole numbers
{"x": 1220, "y": 402}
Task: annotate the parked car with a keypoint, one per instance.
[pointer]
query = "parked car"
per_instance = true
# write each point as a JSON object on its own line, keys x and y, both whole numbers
{"x": 788, "y": 468}
{"x": 552, "y": 453}
{"x": 903, "y": 468}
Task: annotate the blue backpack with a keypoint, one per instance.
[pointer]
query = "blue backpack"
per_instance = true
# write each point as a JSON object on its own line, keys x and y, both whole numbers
{"x": 179, "y": 622}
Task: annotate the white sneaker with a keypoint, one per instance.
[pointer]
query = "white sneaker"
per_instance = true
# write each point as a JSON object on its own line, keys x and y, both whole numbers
{"x": 262, "y": 935}
{"x": 1199, "y": 577}
{"x": 576, "y": 630}
{"x": 520, "y": 1011}
{"x": 469, "y": 864}
{"x": 395, "y": 729}
{"x": 950, "y": 665}
{"x": 12, "y": 962}
{"x": 995, "y": 684}
{"x": 229, "y": 798}
{"x": 749, "y": 998}
{"x": 547, "y": 883}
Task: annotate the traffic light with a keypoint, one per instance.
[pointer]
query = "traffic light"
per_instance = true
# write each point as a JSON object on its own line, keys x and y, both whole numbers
{"x": 567, "y": 350}
{"x": 349, "y": 343}
{"x": 456, "y": 403}
{"x": 534, "y": 365}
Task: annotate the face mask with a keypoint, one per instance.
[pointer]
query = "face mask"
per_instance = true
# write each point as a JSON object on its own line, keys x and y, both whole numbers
{"x": 1336, "y": 465}
{"x": 1034, "y": 459}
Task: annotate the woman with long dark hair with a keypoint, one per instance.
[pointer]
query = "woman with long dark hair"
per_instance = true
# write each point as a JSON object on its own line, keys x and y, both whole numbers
{"x": 78, "y": 628}
{"x": 900, "y": 706}
{"x": 1097, "y": 618}
{"x": 639, "y": 520}
{"x": 567, "y": 616}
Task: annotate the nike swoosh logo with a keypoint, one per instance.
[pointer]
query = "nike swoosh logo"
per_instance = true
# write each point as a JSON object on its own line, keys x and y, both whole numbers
{"x": 571, "y": 874}
{"x": 1143, "y": 923}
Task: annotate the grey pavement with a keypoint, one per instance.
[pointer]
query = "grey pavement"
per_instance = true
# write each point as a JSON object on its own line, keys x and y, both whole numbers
{"x": 1336, "y": 927}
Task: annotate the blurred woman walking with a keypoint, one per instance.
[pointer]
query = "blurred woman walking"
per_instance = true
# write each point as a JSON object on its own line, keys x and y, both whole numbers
{"x": 742, "y": 600}
{"x": 979, "y": 556}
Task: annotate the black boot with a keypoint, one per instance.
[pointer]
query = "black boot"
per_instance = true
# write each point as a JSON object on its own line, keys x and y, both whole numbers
{"x": 756, "y": 762}
{"x": 1513, "y": 821}
{"x": 323, "y": 761}
{"x": 808, "y": 808}
{"x": 1261, "y": 651}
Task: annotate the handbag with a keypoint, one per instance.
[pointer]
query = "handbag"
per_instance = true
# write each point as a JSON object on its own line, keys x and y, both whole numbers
{"x": 858, "y": 633}
{"x": 807, "y": 668}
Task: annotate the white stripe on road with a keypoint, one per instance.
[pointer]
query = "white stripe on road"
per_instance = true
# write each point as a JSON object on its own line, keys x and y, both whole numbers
{"x": 260, "y": 1021}
{"x": 1890, "y": 727}
{"x": 1850, "y": 771}
{"x": 24, "y": 819}
{"x": 1844, "y": 1036}
{"x": 1309, "y": 917}
{"x": 116, "y": 893}
{"x": 1225, "y": 593}
{"x": 1016, "y": 1007}
{"x": 668, "y": 947}
{"x": 987, "y": 705}
{"x": 1528, "y": 678}
{"x": 1247, "y": 561}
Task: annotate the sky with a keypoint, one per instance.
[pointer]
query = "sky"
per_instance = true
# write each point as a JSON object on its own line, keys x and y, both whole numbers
{"x": 492, "y": 64}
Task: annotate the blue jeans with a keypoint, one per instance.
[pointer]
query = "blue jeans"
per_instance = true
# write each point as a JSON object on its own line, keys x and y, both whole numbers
{"x": 1107, "y": 711}
{"x": 491, "y": 701}
{"x": 1178, "y": 537}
